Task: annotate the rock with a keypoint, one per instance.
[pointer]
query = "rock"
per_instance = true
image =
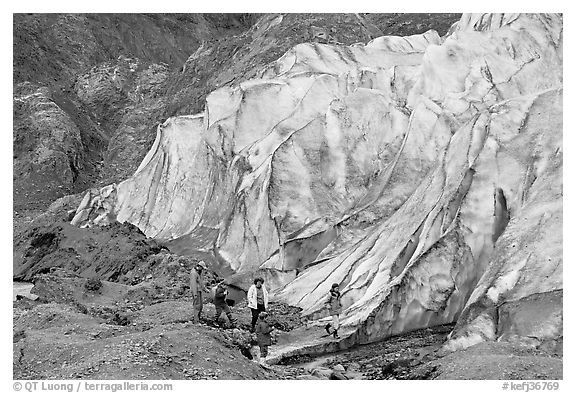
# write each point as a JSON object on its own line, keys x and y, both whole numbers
{"x": 93, "y": 284}
{"x": 338, "y": 376}
{"x": 322, "y": 372}
{"x": 307, "y": 377}
{"x": 354, "y": 375}
{"x": 339, "y": 368}
{"x": 18, "y": 335}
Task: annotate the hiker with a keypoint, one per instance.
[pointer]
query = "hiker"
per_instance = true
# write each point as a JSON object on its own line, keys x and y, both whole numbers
{"x": 197, "y": 287}
{"x": 257, "y": 299}
{"x": 221, "y": 303}
{"x": 263, "y": 335}
{"x": 335, "y": 307}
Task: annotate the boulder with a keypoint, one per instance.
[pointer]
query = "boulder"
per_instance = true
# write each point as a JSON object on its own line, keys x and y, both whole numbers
{"x": 322, "y": 372}
{"x": 307, "y": 377}
{"x": 338, "y": 376}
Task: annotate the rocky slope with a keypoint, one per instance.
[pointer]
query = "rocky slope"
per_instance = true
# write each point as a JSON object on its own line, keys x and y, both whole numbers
{"x": 115, "y": 331}
{"x": 75, "y": 75}
{"x": 58, "y": 47}
{"x": 421, "y": 173}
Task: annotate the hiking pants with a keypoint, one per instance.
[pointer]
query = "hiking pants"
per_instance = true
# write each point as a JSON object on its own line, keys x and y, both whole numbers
{"x": 197, "y": 304}
{"x": 255, "y": 313}
{"x": 263, "y": 351}
{"x": 223, "y": 308}
{"x": 335, "y": 321}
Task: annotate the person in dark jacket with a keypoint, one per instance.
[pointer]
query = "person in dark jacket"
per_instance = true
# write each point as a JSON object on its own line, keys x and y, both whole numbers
{"x": 197, "y": 288}
{"x": 263, "y": 330}
{"x": 335, "y": 307}
{"x": 221, "y": 304}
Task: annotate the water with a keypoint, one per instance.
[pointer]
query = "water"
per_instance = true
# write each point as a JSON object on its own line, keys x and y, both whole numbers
{"x": 22, "y": 288}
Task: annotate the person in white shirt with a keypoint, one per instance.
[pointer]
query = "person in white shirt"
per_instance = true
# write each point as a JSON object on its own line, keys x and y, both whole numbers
{"x": 257, "y": 299}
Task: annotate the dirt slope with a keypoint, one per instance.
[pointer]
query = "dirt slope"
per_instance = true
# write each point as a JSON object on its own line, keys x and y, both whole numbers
{"x": 81, "y": 328}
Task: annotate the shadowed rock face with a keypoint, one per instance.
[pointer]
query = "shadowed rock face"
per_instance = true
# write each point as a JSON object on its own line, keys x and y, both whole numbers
{"x": 87, "y": 95}
{"x": 47, "y": 142}
{"x": 423, "y": 174}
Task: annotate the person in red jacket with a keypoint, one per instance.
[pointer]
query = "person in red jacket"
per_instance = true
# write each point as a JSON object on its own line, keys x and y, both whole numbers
{"x": 263, "y": 330}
